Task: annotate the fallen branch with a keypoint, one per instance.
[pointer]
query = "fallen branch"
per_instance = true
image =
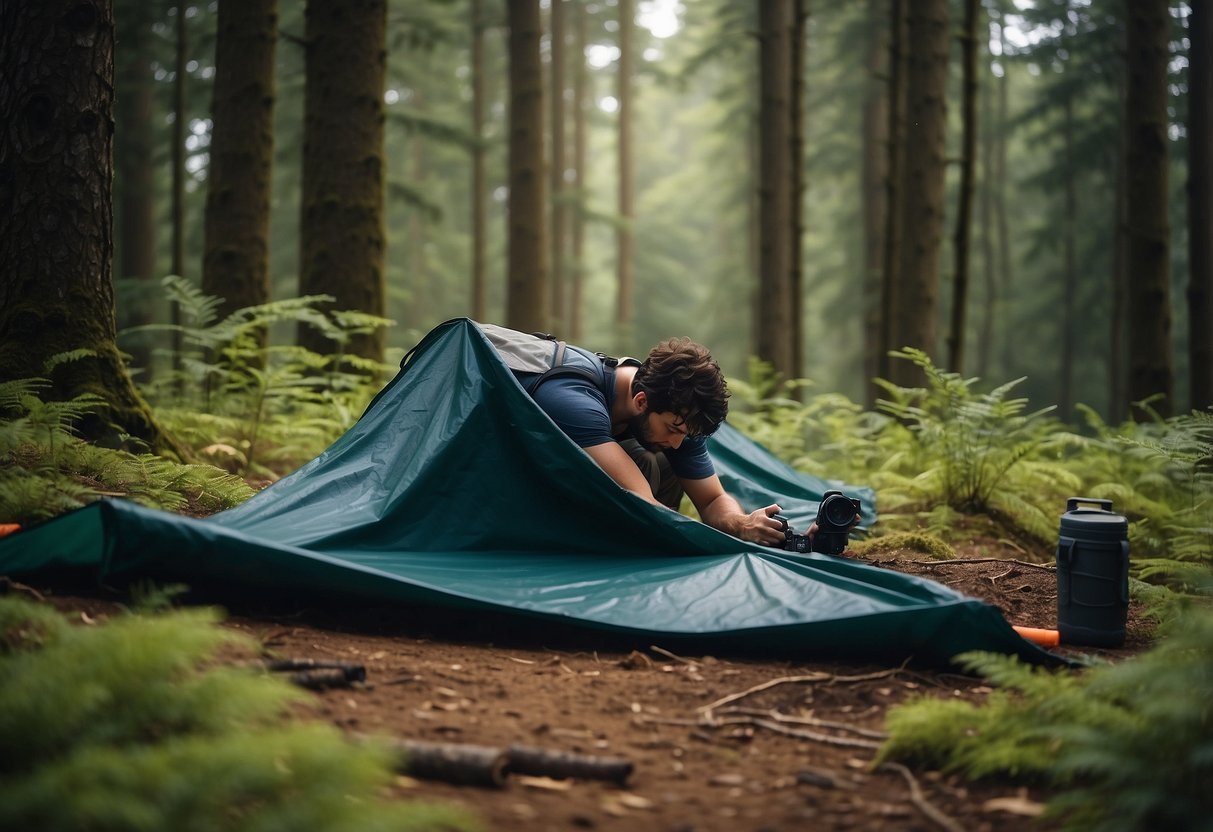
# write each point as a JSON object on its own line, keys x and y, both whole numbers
{"x": 525, "y": 759}
{"x": 786, "y": 680}
{"x": 459, "y": 763}
{"x": 808, "y": 720}
{"x": 315, "y": 674}
{"x": 828, "y": 739}
{"x": 479, "y": 765}
{"x": 1048, "y": 567}
{"x": 920, "y": 801}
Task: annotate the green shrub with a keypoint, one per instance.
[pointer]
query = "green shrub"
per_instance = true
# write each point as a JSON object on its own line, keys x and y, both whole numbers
{"x": 132, "y": 725}
{"x": 1128, "y": 746}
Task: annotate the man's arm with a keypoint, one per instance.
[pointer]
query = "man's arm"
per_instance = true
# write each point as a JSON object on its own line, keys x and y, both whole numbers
{"x": 613, "y": 459}
{"x": 721, "y": 511}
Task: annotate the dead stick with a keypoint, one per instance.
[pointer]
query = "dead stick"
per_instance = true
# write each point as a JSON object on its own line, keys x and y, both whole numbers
{"x": 919, "y": 801}
{"x": 525, "y": 759}
{"x": 459, "y": 763}
{"x": 807, "y": 720}
{"x": 1046, "y": 566}
{"x": 322, "y": 678}
{"x": 814, "y": 736}
{"x": 786, "y": 680}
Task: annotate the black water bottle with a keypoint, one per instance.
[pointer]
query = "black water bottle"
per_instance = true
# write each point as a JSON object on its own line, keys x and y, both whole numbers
{"x": 1092, "y": 574}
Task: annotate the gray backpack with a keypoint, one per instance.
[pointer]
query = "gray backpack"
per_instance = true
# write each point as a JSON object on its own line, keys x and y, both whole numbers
{"x": 536, "y": 358}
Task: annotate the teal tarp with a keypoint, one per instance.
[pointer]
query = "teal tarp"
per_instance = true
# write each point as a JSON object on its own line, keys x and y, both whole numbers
{"x": 455, "y": 489}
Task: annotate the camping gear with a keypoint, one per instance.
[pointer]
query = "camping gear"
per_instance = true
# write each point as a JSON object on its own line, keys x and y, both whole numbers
{"x": 455, "y": 489}
{"x": 1092, "y": 574}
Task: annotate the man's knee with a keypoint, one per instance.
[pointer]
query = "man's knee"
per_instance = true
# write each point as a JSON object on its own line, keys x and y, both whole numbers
{"x": 656, "y": 468}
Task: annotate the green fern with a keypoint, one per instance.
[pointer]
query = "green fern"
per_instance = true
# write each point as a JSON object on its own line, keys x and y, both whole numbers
{"x": 1129, "y": 746}
{"x": 130, "y": 725}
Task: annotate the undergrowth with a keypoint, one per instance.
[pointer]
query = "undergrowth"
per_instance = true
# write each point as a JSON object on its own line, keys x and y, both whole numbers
{"x": 256, "y": 409}
{"x": 131, "y": 725}
{"x": 49, "y": 470}
{"x": 1128, "y": 746}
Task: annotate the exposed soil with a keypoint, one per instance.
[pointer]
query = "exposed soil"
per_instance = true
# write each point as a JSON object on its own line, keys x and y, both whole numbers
{"x": 700, "y": 763}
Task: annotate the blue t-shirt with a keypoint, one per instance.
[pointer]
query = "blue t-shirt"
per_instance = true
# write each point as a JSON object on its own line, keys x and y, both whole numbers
{"x": 581, "y": 410}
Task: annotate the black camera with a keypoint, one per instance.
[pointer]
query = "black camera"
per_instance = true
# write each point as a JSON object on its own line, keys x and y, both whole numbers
{"x": 835, "y": 517}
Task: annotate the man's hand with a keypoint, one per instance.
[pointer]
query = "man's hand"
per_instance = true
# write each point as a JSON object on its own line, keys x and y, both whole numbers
{"x": 760, "y": 526}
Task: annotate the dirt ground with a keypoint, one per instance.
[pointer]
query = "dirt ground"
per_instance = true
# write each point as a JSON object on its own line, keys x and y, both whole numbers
{"x": 715, "y": 742}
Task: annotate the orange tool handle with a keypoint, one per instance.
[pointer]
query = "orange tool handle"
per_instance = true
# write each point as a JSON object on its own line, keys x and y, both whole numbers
{"x": 9, "y": 528}
{"x": 1045, "y": 638}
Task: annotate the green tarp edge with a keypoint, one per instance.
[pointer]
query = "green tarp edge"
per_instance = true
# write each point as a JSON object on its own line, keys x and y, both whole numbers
{"x": 454, "y": 489}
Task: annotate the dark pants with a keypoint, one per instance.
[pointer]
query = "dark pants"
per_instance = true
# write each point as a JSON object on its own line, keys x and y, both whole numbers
{"x": 667, "y": 488}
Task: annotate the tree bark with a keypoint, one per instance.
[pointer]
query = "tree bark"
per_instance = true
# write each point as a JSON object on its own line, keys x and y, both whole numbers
{"x": 479, "y": 179}
{"x": 775, "y": 303}
{"x": 527, "y": 296}
{"x": 135, "y": 184}
{"x": 581, "y": 82}
{"x": 800, "y": 18}
{"x": 921, "y": 200}
{"x": 556, "y": 170}
{"x": 1069, "y": 319}
{"x": 1200, "y": 206}
{"x": 890, "y": 281}
{"x": 177, "y": 156}
{"x": 625, "y": 235}
{"x": 56, "y": 210}
{"x": 342, "y": 239}
{"x": 964, "y": 202}
{"x": 875, "y": 190}
{"x": 235, "y": 261}
{"x": 1148, "y": 239}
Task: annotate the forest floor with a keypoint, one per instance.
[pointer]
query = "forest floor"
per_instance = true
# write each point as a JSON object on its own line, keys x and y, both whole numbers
{"x": 459, "y": 678}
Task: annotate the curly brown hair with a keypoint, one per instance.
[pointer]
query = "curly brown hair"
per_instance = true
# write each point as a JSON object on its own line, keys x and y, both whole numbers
{"x": 681, "y": 377}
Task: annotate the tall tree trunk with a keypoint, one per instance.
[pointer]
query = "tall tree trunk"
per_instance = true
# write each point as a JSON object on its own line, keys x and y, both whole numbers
{"x": 921, "y": 200}
{"x": 1200, "y": 206}
{"x": 875, "y": 189}
{"x": 177, "y": 156}
{"x": 1069, "y": 277}
{"x": 341, "y": 232}
{"x": 625, "y": 236}
{"x": 964, "y": 206}
{"x": 581, "y": 82}
{"x": 1148, "y": 255}
{"x": 1118, "y": 399}
{"x": 891, "y": 270}
{"x": 423, "y": 302}
{"x": 134, "y": 181}
{"x": 56, "y": 210}
{"x": 1006, "y": 276}
{"x": 235, "y": 261}
{"x": 479, "y": 179}
{"x": 775, "y": 303}
{"x": 800, "y": 17}
{"x": 559, "y": 210}
{"x": 985, "y": 327}
{"x": 527, "y": 298}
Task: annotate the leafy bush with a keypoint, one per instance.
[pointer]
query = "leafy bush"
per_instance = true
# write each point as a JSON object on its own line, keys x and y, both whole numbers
{"x": 48, "y": 470}
{"x": 255, "y": 409}
{"x": 1130, "y": 745}
{"x": 130, "y": 726}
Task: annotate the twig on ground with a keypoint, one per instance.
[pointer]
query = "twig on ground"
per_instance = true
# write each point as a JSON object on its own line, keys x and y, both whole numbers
{"x": 791, "y": 680}
{"x": 670, "y": 655}
{"x": 7, "y": 585}
{"x": 807, "y": 720}
{"x": 1049, "y": 567}
{"x": 828, "y": 739}
{"x": 920, "y": 801}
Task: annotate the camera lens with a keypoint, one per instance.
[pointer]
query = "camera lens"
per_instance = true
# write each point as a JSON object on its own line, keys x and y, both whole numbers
{"x": 838, "y": 510}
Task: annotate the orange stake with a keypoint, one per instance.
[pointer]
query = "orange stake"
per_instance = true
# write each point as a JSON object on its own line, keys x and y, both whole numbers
{"x": 8, "y": 528}
{"x": 1045, "y": 638}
